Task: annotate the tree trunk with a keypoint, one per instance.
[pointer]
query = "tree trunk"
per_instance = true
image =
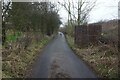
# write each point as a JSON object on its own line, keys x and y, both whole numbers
{"x": 3, "y": 33}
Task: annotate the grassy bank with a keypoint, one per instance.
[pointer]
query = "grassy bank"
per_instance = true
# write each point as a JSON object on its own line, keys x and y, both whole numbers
{"x": 102, "y": 58}
{"x": 17, "y": 60}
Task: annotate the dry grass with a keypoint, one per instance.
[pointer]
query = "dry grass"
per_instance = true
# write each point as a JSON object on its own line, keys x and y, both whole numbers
{"x": 102, "y": 58}
{"x": 16, "y": 59}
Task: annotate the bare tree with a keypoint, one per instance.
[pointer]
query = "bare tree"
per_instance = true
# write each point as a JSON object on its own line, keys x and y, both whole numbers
{"x": 82, "y": 7}
{"x": 67, "y": 6}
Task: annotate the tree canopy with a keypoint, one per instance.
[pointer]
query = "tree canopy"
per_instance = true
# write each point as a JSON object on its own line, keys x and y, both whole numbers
{"x": 35, "y": 16}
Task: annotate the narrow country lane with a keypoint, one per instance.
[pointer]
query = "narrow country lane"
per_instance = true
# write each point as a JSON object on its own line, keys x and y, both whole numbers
{"x": 59, "y": 61}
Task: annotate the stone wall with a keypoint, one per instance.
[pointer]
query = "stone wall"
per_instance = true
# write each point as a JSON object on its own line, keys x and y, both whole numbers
{"x": 87, "y": 34}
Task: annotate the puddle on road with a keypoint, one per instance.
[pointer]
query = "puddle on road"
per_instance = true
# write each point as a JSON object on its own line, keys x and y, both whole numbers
{"x": 57, "y": 72}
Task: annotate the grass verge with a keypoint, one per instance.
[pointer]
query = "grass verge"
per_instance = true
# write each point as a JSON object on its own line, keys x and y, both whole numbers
{"x": 16, "y": 64}
{"x": 102, "y": 58}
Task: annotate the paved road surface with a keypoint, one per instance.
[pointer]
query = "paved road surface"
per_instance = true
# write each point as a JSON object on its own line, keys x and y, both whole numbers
{"x": 59, "y": 61}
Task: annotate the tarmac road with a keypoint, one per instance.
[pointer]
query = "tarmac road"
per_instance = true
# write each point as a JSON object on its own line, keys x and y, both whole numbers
{"x": 59, "y": 61}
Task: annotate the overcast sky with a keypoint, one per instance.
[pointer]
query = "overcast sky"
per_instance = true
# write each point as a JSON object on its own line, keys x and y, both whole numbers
{"x": 104, "y": 10}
